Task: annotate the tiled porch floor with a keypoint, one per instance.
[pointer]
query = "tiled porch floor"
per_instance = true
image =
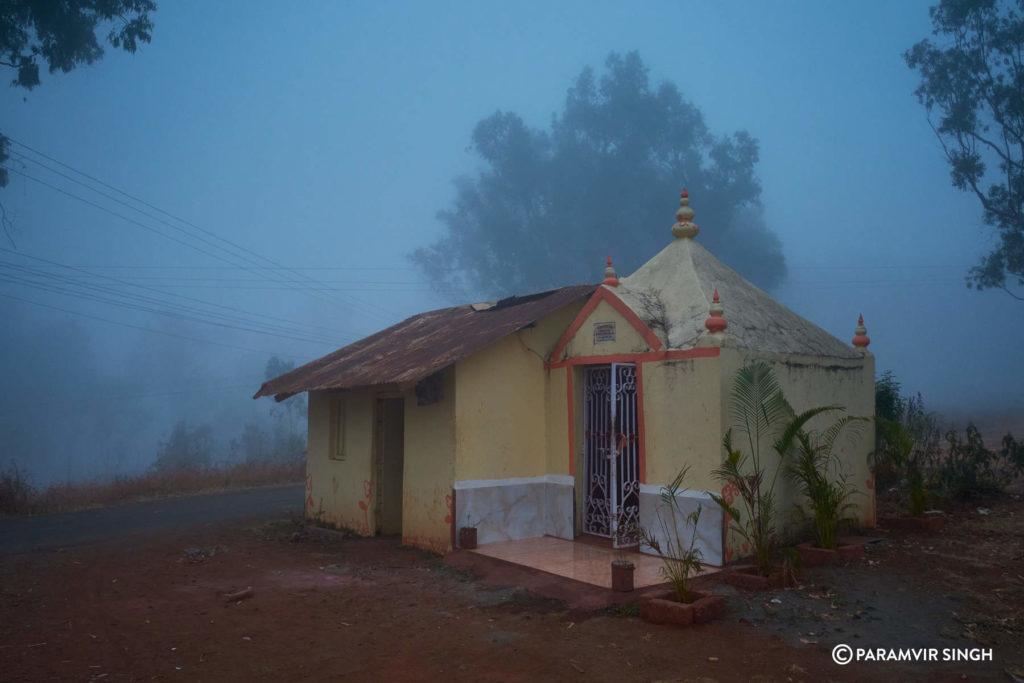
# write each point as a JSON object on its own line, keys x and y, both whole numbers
{"x": 585, "y": 562}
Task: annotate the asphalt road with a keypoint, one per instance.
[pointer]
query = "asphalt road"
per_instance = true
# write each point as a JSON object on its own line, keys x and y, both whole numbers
{"x": 23, "y": 534}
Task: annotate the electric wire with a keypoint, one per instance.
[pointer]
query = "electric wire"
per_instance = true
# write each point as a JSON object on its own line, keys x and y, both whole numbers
{"x": 371, "y": 310}
{"x": 222, "y": 307}
{"x": 57, "y": 289}
{"x": 136, "y": 209}
{"x": 303, "y": 288}
{"x": 59, "y": 284}
{"x": 31, "y": 405}
{"x": 148, "y": 227}
{"x": 137, "y": 327}
{"x": 211, "y": 244}
{"x": 299, "y": 286}
{"x": 181, "y": 267}
{"x": 169, "y": 306}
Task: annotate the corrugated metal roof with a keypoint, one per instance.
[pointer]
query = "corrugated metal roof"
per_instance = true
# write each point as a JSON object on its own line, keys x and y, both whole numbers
{"x": 421, "y": 345}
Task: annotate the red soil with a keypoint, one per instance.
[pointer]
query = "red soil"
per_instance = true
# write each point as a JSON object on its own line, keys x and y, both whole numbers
{"x": 371, "y": 610}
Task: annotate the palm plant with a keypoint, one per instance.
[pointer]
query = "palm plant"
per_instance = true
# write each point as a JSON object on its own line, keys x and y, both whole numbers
{"x": 680, "y": 556}
{"x": 761, "y": 414}
{"x": 813, "y": 461}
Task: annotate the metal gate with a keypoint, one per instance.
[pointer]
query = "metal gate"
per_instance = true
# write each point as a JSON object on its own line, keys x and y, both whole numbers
{"x": 611, "y": 506}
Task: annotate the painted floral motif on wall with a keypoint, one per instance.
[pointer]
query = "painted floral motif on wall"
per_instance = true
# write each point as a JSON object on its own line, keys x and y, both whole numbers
{"x": 364, "y": 505}
{"x": 310, "y": 504}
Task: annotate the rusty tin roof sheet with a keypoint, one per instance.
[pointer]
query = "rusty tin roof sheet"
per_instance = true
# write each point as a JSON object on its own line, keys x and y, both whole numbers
{"x": 421, "y": 345}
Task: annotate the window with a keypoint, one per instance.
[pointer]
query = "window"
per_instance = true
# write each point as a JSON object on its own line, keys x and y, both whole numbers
{"x": 336, "y": 440}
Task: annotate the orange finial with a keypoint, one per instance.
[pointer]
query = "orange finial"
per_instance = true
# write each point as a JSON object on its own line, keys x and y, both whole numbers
{"x": 684, "y": 227}
{"x": 861, "y": 339}
{"x": 715, "y": 322}
{"x": 610, "y": 278}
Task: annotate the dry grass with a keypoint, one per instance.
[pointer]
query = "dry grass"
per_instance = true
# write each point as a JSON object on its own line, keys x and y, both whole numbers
{"x": 18, "y": 497}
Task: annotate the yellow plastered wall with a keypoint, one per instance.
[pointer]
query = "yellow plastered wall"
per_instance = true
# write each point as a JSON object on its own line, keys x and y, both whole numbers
{"x": 500, "y": 413}
{"x": 579, "y": 469}
{"x": 427, "y": 505}
{"x": 511, "y": 414}
{"x": 810, "y": 382}
{"x": 542, "y": 338}
{"x": 627, "y": 339}
{"x": 558, "y": 422}
{"x": 682, "y": 421}
{"x": 335, "y": 488}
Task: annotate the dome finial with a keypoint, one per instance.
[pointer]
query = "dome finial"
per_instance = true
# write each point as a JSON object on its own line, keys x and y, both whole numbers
{"x": 715, "y": 322}
{"x": 685, "y": 227}
{"x": 861, "y": 340}
{"x": 610, "y": 278}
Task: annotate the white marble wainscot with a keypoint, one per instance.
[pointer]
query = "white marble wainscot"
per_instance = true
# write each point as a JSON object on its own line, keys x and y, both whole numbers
{"x": 515, "y": 508}
{"x": 656, "y": 518}
{"x": 559, "y": 506}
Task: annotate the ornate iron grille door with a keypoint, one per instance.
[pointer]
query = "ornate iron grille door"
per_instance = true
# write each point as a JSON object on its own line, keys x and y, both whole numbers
{"x": 625, "y": 457}
{"x": 597, "y": 504}
{"x": 610, "y": 440}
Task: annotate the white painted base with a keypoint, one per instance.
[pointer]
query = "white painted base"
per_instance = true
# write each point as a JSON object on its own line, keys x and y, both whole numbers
{"x": 655, "y": 517}
{"x": 512, "y": 509}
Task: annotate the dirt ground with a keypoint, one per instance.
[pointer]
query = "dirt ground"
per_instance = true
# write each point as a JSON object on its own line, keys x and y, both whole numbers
{"x": 369, "y": 609}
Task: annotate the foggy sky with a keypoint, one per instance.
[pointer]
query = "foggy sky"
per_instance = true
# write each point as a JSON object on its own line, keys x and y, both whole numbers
{"x": 327, "y": 138}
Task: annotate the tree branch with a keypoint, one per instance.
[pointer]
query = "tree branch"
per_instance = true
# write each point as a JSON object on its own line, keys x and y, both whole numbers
{"x": 1007, "y": 290}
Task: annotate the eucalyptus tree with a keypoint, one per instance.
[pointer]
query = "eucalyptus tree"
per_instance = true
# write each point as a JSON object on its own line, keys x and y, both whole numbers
{"x": 548, "y": 204}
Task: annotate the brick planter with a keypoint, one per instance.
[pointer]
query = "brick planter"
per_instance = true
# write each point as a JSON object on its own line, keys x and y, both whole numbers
{"x": 927, "y": 524}
{"x": 745, "y": 577}
{"x": 665, "y": 609}
{"x": 813, "y": 556}
{"x": 622, "y": 576}
{"x": 850, "y": 551}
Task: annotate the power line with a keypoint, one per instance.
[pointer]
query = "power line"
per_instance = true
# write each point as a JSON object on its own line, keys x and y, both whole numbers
{"x": 140, "y": 305}
{"x": 158, "y": 232}
{"x": 136, "y": 327}
{"x": 32, "y": 405}
{"x": 375, "y": 311}
{"x": 268, "y": 268}
{"x": 114, "y": 213}
{"x": 148, "y": 215}
{"x": 325, "y": 288}
{"x": 178, "y": 296}
{"x": 140, "y": 299}
{"x": 128, "y": 279}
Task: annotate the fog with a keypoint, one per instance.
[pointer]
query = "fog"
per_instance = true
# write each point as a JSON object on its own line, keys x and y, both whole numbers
{"x": 252, "y": 183}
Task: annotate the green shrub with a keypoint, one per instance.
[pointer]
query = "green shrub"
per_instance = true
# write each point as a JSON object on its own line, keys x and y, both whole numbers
{"x": 817, "y": 470}
{"x": 681, "y": 558}
{"x": 968, "y": 470}
{"x": 16, "y": 493}
{"x": 911, "y": 449}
